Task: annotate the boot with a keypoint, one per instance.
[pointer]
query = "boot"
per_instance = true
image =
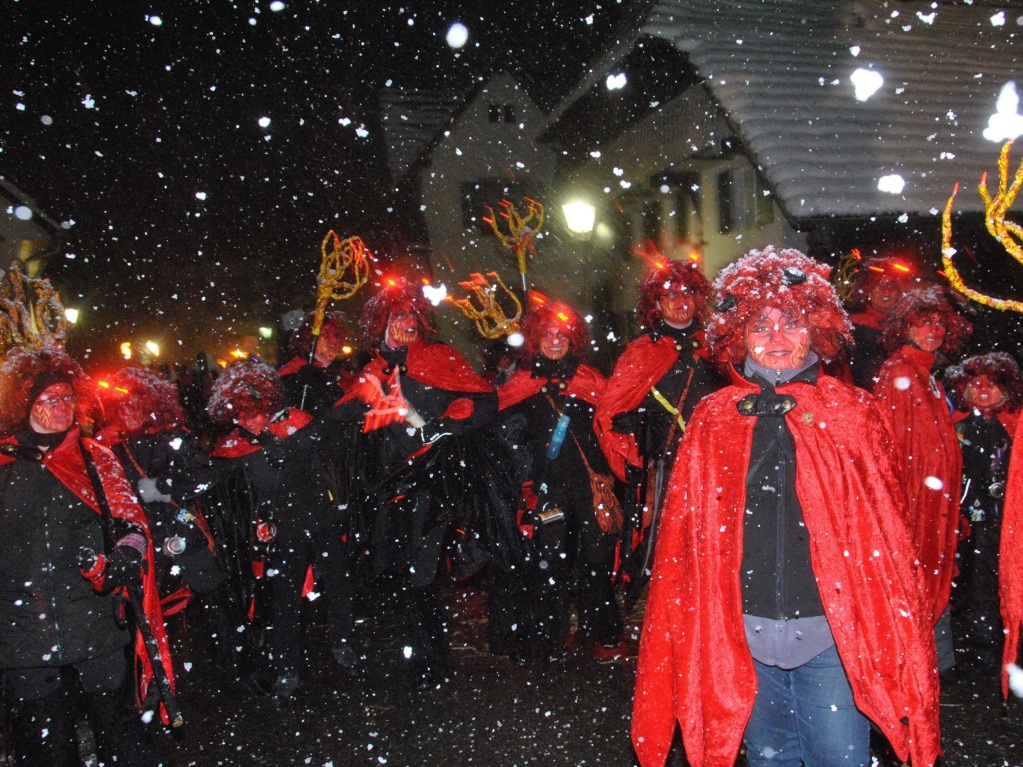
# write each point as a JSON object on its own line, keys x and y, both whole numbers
{"x": 121, "y": 736}
{"x": 42, "y": 733}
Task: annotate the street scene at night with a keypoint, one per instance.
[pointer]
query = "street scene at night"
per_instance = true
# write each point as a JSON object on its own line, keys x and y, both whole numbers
{"x": 614, "y": 382}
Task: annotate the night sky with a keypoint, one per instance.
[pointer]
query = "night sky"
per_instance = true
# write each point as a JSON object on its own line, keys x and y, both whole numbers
{"x": 140, "y": 122}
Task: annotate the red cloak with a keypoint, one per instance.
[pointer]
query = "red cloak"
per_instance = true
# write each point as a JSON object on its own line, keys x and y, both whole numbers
{"x": 1010, "y": 557}
{"x": 694, "y": 663}
{"x": 643, "y": 363}
{"x": 67, "y": 464}
{"x": 931, "y": 463}
{"x": 587, "y": 384}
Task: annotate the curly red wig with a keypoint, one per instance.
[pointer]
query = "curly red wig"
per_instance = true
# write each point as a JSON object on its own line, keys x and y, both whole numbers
{"x": 788, "y": 280}
{"x": 685, "y": 274}
{"x": 538, "y": 317}
{"x": 139, "y": 402}
{"x": 914, "y": 306}
{"x": 24, "y": 370}
{"x": 301, "y": 340}
{"x": 393, "y": 294}
{"x": 999, "y": 367}
{"x": 245, "y": 389}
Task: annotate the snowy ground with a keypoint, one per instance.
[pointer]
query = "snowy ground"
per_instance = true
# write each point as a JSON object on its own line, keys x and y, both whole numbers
{"x": 492, "y": 713}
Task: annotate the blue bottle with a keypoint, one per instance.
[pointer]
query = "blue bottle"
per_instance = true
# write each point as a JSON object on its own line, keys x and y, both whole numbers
{"x": 558, "y": 437}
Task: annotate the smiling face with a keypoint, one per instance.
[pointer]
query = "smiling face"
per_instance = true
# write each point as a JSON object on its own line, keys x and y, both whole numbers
{"x": 928, "y": 332}
{"x": 984, "y": 394}
{"x": 54, "y": 409}
{"x": 777, "y": 341}
{"x": 677, "y": 306}
{"x": 554, "y": 343}
{"x": 884, "y": 294}
{"x": 402, "y": 327}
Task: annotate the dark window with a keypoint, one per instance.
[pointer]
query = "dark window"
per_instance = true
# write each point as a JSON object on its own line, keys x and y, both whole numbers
{"x": 652, "y": 221}
{"x": 726, "y": 200}
{"x": 764, "y": 204}
{"x": 495, "y": 113}
{"x": 509, "y": 113}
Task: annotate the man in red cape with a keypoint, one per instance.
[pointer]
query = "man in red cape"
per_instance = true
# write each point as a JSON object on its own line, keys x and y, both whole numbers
{"x": 52, "y": 615}
{"x": 924, "y": 324}
{"x": 729, "y": 624}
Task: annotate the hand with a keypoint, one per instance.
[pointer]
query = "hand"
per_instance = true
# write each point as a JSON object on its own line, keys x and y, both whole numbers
{"x": 413, "y": 419}
{"x": 125, "y": 563}
{"x": 148, "y": 492}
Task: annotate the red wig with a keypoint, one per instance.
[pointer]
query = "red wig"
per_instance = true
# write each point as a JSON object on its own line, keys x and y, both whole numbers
{"x": 538, "y": 317}
{"x": 686, "y": 275}
{"x": 917, "y": 304}
{"x": 301, "y": 340}
{"x": 245, "y": 389}
{"x": 25, "y": 373}
{"x": 788, "y": 280}
{"x": 999, "y": 367}
{"x": 393, "y": 294}
{"x": 139, "y": 402}
{"x": 877, "y": 269}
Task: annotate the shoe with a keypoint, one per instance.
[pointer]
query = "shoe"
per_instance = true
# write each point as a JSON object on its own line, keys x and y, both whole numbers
{"x": 346, "y": 659}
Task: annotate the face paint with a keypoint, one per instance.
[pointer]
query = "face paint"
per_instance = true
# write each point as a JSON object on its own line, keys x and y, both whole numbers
{"x": 884, "y": 294}
{"x": 402, "y": 327}
{"x": 330, "y": 345}
{"x": 777, "y": 341}
{"x": 677, "y": 305}
{"x": 554, "y": 342}
{"x": 54, "y": 409}
{"x": 928, "y": 332}
{"x": 984, "y": 394}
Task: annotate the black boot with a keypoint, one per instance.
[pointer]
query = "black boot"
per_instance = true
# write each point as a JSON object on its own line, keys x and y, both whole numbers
{"x": 42, "y": 733}
{"x": 122, "y": 738}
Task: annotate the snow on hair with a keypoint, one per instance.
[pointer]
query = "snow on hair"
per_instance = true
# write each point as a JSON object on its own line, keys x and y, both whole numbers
{"x": 151, "y": 399}
{"x": 685, "y": 273}
{"x": 537, "y": 318}
{"x": 916, "y": 304}
{"x": 377, "y": 311}
{"x": 999, "y": 367}
{"x": 245, "y": 389}
{"x": 20, "y": 371}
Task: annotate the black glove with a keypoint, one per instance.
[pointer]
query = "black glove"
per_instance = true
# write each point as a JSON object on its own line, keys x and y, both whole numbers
{"x": 126, "y": 562}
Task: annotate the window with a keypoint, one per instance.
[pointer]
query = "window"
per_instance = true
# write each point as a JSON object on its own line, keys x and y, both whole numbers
{"x": 743, "y": 200}
{"x": 501, "y": 113}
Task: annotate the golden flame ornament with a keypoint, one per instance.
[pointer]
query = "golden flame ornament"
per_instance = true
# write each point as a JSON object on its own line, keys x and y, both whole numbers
{"x": 488, "y": 313}
{"x": 338, "y": 257}
{"x": 31, "y": 313}
{"x": 522, "y": 230}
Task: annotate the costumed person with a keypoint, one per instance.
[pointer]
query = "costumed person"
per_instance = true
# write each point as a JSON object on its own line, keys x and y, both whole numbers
{"x": 642, "y": 415}
{"x": 878, "y": 289}
{"x": 143, "y": 425}
{"x": 784, "y": 606}
{"x": 431, "y": 473}
{"x": 922, "y": 329}
{"x": 547, "y": 409}
{"x": 987, "y": 392}
{"x": 279, "y": 518}
{"x": 74, "y": 542}
{"x": 315, "y": 385}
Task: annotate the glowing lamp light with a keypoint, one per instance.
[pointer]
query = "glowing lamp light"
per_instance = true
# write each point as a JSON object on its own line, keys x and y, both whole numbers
{"x": 866, "y": 82}
{"x": 1006, "y": 123}
{"x": 238, "y": 354}
{"x": 457, "y": 35}
{"x": 153, "y": 348}
{"x": 126, "y": 350}
{"x": 346, "y": 350}
{"x": 579, "y": 216}
{"x": 71, "y": 315}
{"x": 265, "y": 332}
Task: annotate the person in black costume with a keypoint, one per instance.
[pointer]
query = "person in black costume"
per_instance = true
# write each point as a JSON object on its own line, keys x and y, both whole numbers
{"x": 280, "y": 518}
{"x": 59, "y": 634}
{"x": 314, "y": 385}
{"x": 987, "y": 391}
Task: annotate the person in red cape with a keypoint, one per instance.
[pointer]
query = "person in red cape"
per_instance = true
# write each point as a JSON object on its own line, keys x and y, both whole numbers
{"x": 409, "y": 399}
{"x": 143, "y": 425}
{"x": 784, "y": 607}
{"x": 52, "y": 619}
{"x": 282, "y": 526}
{"x": 315, "y": 385}
{"x": 923, "y": 325}
{"x": 650, "y": 396}
{"x": 575, "y": 550}
{"x": 987, "y": 392}
{"x": 1010, "y": 560}
{"x": 881, "y": 282}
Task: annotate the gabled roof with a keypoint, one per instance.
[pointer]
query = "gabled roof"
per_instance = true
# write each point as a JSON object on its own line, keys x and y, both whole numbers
{"x": 780, "y": 69}
{"x": 412, "y": 119}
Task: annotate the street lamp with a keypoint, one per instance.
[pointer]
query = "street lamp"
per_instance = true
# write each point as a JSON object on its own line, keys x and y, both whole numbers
{"x": 71, "y": 315}
{"x": 579, "y": 216}
{"x": 153, "y": 348}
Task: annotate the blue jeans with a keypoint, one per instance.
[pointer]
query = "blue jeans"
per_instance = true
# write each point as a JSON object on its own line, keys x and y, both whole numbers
{"x": 806, "y": 715}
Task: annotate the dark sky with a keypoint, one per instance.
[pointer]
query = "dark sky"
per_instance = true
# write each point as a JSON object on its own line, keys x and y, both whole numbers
{"x": 188, "y": 215}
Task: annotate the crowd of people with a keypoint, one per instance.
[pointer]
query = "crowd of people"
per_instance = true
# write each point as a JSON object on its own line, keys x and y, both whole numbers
{"x": 808, "y": 493}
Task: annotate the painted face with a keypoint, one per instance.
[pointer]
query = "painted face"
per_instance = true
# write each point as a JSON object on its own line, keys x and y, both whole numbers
{"x": 402, "y": 327}
{"x": 54, "y": 409}
{"x": 884, "y": 294}
{"x": 928, "y": 332}
{"x": 331, "y": 345}
{"x": 554, "y": 342}
{"x": 778, "y": 341}
{"x": 677, "y": 305}
{"x": 984, "y": 394}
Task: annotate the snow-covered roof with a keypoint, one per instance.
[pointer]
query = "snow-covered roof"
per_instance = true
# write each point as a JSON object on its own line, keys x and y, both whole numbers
{"x": 781, "y": 69}
{"x": 412, "y": 119}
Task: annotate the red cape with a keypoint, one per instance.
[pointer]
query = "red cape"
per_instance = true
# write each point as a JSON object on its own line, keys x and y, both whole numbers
{"x": 694, "y": 663}
{"x": 232, "y": 445}
{"x": 869, "y": 318}
{"x": 928, "y": 449}
{"x": 1010, "y": 557}
{"x": 643, "y": 363}
{"x": 587, "y": 384}
{"x": 66, "y": 463}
